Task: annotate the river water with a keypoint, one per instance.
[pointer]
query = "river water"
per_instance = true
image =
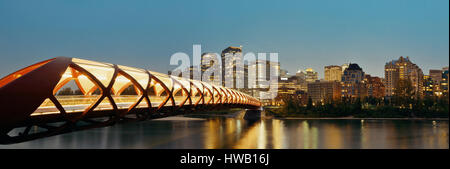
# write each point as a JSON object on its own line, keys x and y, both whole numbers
{"x": 221, "y": 132}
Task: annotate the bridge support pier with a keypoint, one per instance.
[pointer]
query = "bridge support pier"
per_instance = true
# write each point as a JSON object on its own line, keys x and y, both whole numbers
{"x": 4, "y": 138}
{"x": 253, "y": 115}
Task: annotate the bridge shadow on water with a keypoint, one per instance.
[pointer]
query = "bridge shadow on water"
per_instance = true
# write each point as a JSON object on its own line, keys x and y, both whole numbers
{"x": 34, "y": 132}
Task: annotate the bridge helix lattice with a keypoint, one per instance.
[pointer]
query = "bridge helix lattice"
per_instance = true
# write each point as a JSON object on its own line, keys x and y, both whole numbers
{"x": 41, "y": 95}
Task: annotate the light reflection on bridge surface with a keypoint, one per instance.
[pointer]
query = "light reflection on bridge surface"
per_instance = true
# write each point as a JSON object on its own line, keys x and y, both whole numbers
{"x": 77, "y": 104}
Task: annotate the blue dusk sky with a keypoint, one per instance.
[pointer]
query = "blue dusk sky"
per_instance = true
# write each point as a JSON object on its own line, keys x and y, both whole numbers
{"x": 145, "y": 33}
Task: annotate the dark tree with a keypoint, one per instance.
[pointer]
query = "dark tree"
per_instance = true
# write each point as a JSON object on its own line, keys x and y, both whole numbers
{"x": 130, "y": 90}
{"x": 309, "y": 105}
{"x": 403, "y": 93}
{"x": 66, "y": 91}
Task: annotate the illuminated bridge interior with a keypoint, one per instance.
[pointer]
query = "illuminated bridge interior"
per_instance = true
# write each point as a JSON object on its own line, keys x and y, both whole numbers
{"x": 67, "y": 90}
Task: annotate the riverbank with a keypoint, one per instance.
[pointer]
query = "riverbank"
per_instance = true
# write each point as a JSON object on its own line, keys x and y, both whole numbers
{"x": 232, "y": 113}
{"x": 240, "y": 113}
{"x": 177, "y": 118}
{"x": 363, "y": 115}
{"x": 358, "y": 118}
{"x": 367, "y": 108}
{"x": 383, "y": 112}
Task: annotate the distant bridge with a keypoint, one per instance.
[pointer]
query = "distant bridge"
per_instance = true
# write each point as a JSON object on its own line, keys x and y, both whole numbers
{"x": 37, "y": 101}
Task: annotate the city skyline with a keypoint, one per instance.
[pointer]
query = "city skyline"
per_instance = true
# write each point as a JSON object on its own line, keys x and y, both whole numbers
{"x": 305, "y": 34}
{"x": 200, "y": 75}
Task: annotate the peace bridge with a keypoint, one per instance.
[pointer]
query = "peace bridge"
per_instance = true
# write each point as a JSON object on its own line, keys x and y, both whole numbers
{"x": 38, "y": 100}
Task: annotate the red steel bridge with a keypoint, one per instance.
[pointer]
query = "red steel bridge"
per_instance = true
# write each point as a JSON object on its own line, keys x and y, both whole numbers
{"x": 66, "y": 94}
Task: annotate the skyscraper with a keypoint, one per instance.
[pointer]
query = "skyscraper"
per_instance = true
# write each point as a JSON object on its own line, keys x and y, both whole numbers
{"x": 436, "y": 83}
{"x": 390, "y": 78}
{"x": 427, "y": 86}
{"x": 301, "y": 74}
{"x": 343, "y": 67}
{"x": 353, "y": 84}
{"x": 284, "y": 73}
{"x": 436, "y": 75}
{"x": 375, "y": 86}
{"x": 322, "y": 91}
{"x": 311, "y": 75}
{"x": 231, "y": 66}
{"x": 267, "y": 76}
{"x": 264, "y": 71}
{"x": 300, "y": 80}
{"x": 444, "y": 82}
{"x": 404, "y": 69}
{"x": 333, "y": 73}
{"x": 208, "y": 60}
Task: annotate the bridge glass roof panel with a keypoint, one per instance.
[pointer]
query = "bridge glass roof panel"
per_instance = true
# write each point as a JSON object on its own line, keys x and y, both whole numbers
{"x": 103, "y": 72}
{"x": 184, "y": 82}
{"x": 208, "y": 86}
{"x": 139, "y": 75}
{"x": 196, "y": 93}
{"x": 181, "y": 90}
{"x": 207, "y": 93}
{"x": 120, "y": 83}
{"x": 86, "y": 84}
{"x": 230, "y": 95}
{"x": 164, "y": 79}
{"x": 198, "y": 84}
{"x": 224, "y": 94}
{"x": 216, "y": 94}
{"x": 65, "y": 77}
{"x": 82, "y": 81}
